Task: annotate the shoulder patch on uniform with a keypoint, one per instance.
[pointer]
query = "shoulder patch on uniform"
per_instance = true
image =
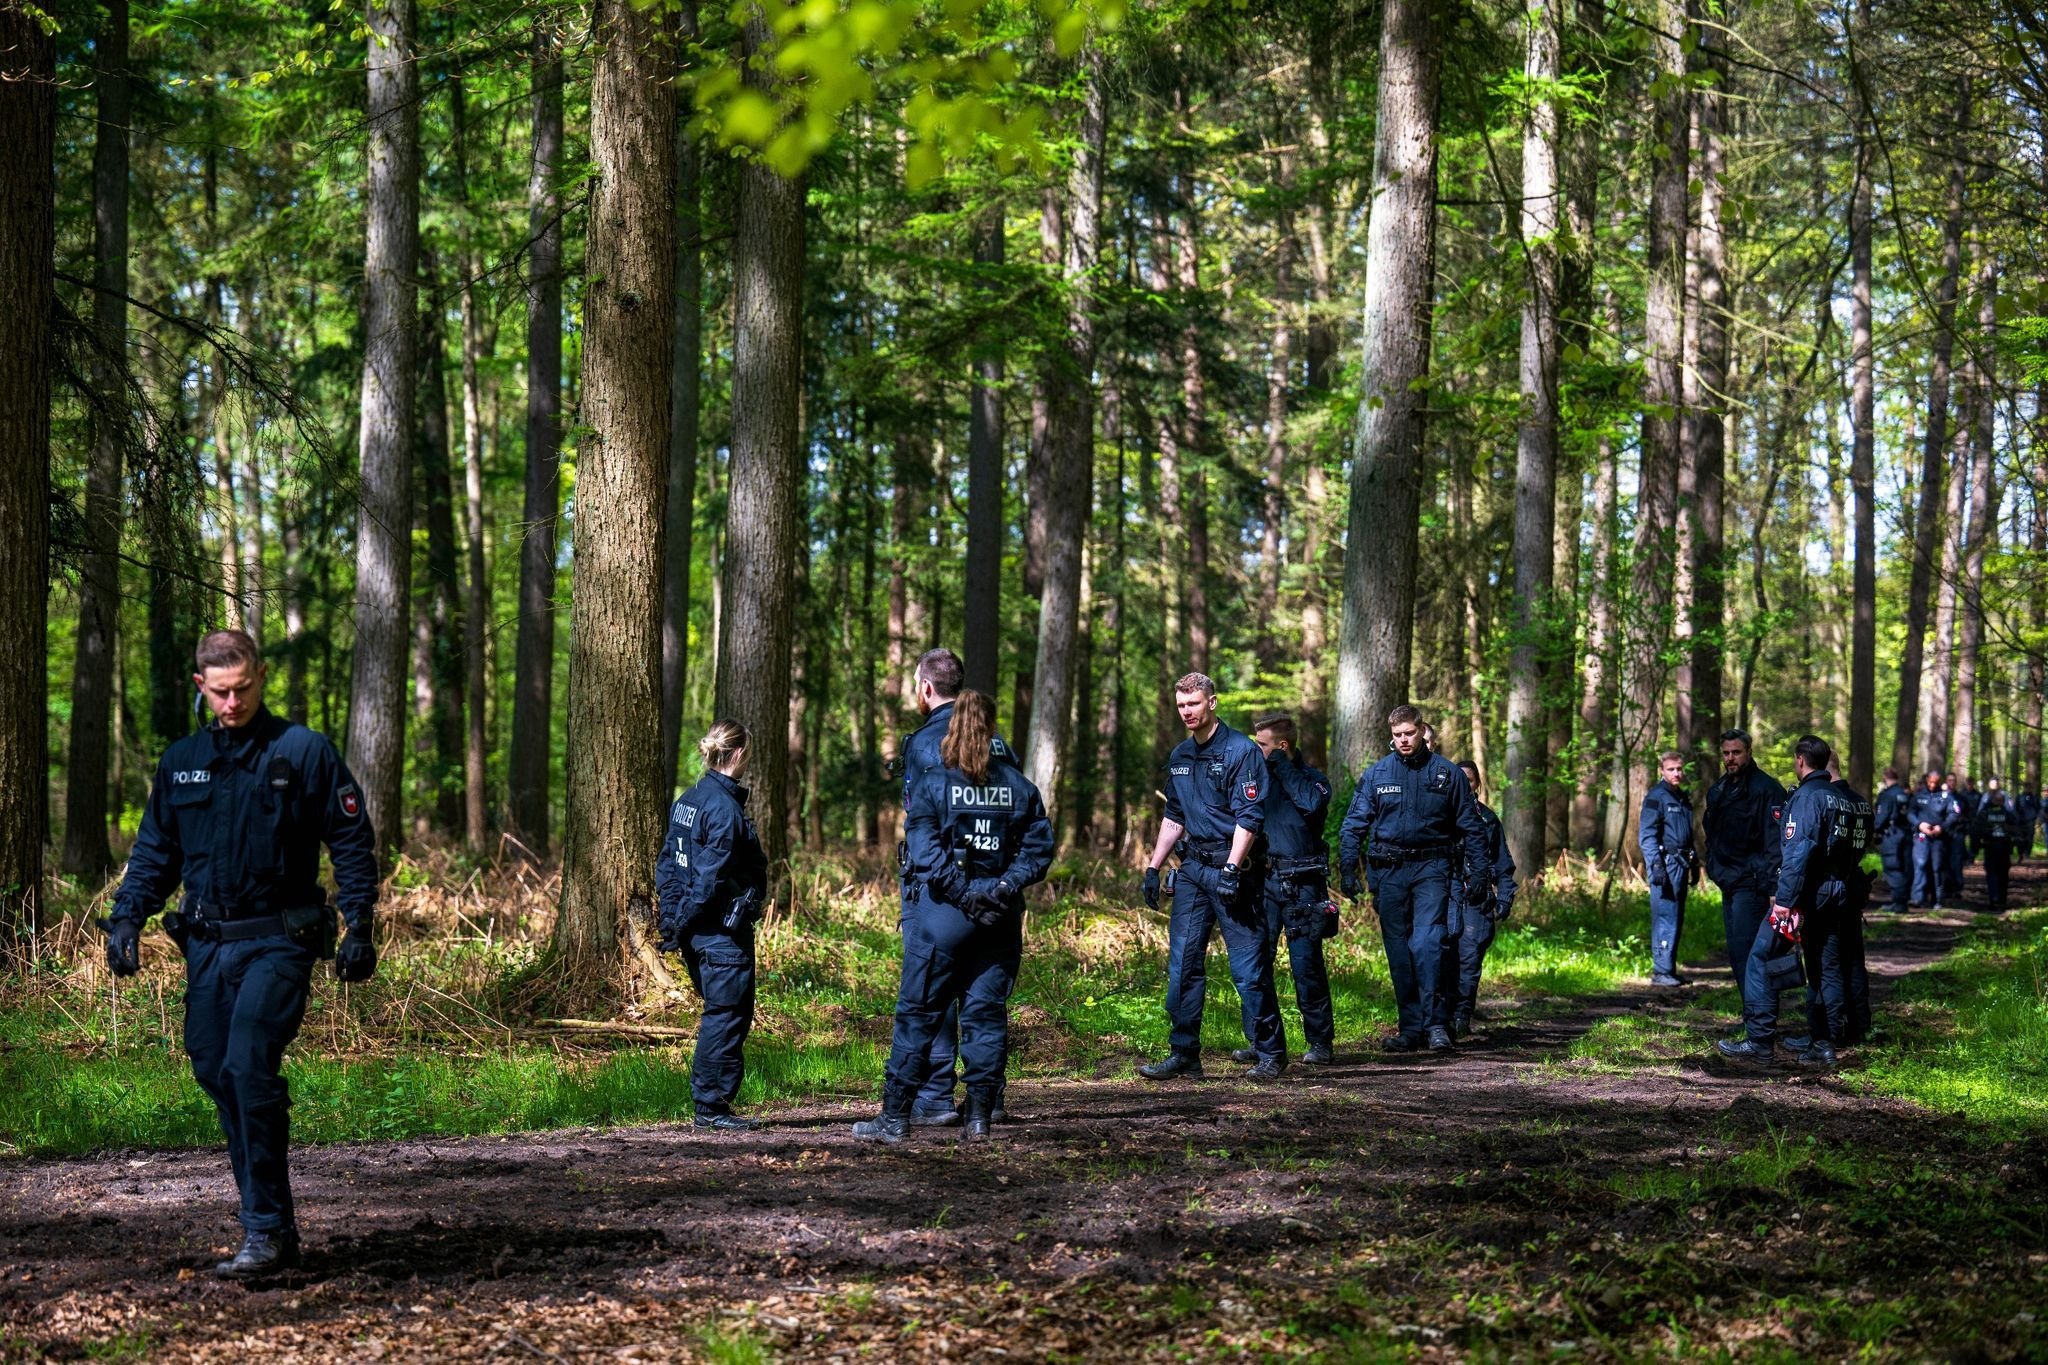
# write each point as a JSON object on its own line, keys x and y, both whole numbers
{"x": 1251, "y": 791}
{"x": 351, "y": 800}
{"x": 186, "y": 777}
{"x": 1791, "y": 828}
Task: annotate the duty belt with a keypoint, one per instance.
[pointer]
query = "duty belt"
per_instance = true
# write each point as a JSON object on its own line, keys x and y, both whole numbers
{"x": 234, "y": 930}
{"x": 1208, "y": 852}
{"x": 1300, "y": 869}
{"x": 1394, "y": 855}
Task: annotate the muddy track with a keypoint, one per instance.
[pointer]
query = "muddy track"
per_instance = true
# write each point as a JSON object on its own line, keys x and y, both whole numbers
{"x": 1062, "y": 1239}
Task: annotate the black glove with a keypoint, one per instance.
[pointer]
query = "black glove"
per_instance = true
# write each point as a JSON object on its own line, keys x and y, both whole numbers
{"x": 1229, "y": 883}
{"x": 1478, "y": 893}
{"x": 1350, "y": 884}
{"x": 356, "y": 958}
{"x": 949, "y": 884}
{"x": 1500, "y": 909}
{"x": 1152, "y": 888}
{"x": 671, "y": 940}
{"x": 124, "y": 945}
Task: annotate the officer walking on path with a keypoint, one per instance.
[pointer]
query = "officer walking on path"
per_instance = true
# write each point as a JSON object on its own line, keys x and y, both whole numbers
{"x": 2029, "y": 806}
{"x": 1215, "y": 780}
{"x": 1472, "y": 922}
{"x": 1743, "y": 809}
{"x": 1955, "y": 839}
{"x": 1410, "y": 815}
{"x": 712, "y": 881}
{"x": 976, "y": 836}
{"x": 1995, "y": 833}
{"x": 237, "y": 813}
{"x": 1670, "y": 863}
{"x": 1823, "y": 845}
{"x": 1894, "y": 840}
{"x": 936, "y": 687}
{"x": 1931, "y": 811}
{"x": 1296, "y": 805}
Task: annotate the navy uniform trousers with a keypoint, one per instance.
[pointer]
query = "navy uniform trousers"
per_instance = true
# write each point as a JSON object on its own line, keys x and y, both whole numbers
{"x": 1463, "y": 955}
{"x": 243, "y": 1005}
{"x": 1304, "y": 954}
{"x": 954, "y": 967}
{"x": 722, "y": 969}
{"x": 1196, "y": 914}
{"x": 1413, "y": 903}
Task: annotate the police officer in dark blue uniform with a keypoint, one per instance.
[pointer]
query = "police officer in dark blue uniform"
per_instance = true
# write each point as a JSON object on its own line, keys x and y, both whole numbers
{"x": 1822, "y": 849}
{"x": 1955, "y": 838}
{"x": 1994, "y": 835}
{"x": 936, "y": 686}
{"x": 1410, "y": 817}
{"x": 237, "y": 813}
{"x": 2028, "y": 805}
{"x": 712, "y": 881}
{"x": 1215, "y": 783}
{"x": 1931, "y": 811}
{"x": 1472, "y": 924}
{"x": 1853, "y": 825}
{"x": 1744, "y": 807}
{"x": 1296, "y": 806}
{"x": 1670, "y": 863}
{"x": 1894, "y": 839}
{"x": 977, "y": 836}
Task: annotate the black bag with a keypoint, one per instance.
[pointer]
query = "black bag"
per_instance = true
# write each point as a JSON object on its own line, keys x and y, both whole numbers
{"x": 1786, "y": 970}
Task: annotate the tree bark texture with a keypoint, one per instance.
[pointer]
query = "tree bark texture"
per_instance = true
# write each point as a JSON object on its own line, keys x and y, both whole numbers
{"x": 437, "y": 610}
{"x": 534, "y": 653}
{"x": 1862, "y": 474}
{"x": 476, "y": 586}
{"x": 376, "y": 728}
{"x": 684, "y": 395}
{"x": 1523, "y": 798}
{"x": 85, "y": 852}
{"x": 764, "y": 501}
{"x": 613, "y": 798}
{"x": 1708, "y": 417}
{"x": 28, "y": 217}
{"x": 981, "y": 633}
{"x": 1983, "y": 514}
{"x": 1375, "y": 640}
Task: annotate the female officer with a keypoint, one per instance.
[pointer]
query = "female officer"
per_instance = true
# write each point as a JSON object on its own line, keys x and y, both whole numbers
{"x": 711, "y": 877}
{"x": 977, "y": 835}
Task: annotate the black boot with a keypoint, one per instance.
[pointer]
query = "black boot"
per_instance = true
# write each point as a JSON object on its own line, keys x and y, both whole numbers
{"x": 262, "y": 1253}
{"x": 1439, "y": 1038}
{"x": 979, "y": 1109}
{"x": 1171, "y": 1065}
{"x": 892, "y": 1125}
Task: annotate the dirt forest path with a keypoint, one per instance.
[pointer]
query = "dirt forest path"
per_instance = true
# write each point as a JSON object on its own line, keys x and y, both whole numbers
{"x": 1402, "y": 1201}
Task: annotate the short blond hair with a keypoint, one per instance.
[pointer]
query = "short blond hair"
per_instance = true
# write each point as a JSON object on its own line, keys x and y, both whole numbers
{"x": 1195, "y": 682}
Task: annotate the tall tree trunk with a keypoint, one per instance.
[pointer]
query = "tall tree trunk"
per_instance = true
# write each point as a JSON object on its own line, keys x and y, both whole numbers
{"x": 981, "y": 632}
{"x": 1708, "y": 414}
{"x": 1938, "y": 676}
{"x": 1319, "y": 348}
{"x": 764, "y": 498}
{"x": 685, "y": 395}
{"x": 376, "y": 728}
{"x": 1279, "y": 362}
{"x": 476, "y": 598}
{"x": 437, "y": 611}
{"x": 534, "y": 658}
{"x": 1386, "y": 480}
{"x": 613, "y": 796}
{"x": 1535, "y": 565}
{"x": 1663, "y": 397}
{"x": 99, "y": 590}
{"x": 1862, "y": 468}
{"x": 1194, "y": 411}
{"x": 2037, "y": 541}
{"x": 1983, "y": 516}
{"x": 1070, "y": 450}
{"x": 249, "y": 484}
{"x": 1913, "y": 657}
{"x": 297, "y": 705}
{"x": 28, "y": 216}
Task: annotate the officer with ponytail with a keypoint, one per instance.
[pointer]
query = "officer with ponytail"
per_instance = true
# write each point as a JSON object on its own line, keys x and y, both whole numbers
{"x": 976, "y": 834}
{"x": 712, "y": 880}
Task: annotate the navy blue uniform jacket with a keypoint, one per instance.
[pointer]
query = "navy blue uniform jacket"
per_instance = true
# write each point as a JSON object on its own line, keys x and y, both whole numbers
{"x": 1893, "y": 829}
{"x": 1214, "y": 789}
{"x": 1935, "y": 807}
{"x": 1743, "y": 813}
{"x": 239, "y": 816}
{"x": 1665, "y": 835}
{"x": 1811, "y": 854}
{"x": 1296, "y": 806}
{"x": 1418, "y": 802}
{"x": 965, "y": 835}
{"x": 1501, "y": 864}
{"x": 711, "y": 855}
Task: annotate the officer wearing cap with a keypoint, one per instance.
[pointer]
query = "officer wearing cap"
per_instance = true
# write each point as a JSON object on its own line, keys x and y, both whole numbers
{"x": 1822, "y": 849}
{"x": 1894, "y": 839}
{"x": 237, "y": 813}
{"x": 1472, "y": 922}
{"x": 977, "y": 835}
{"x": 1994, "y": 834}
{"x": 1296, "y": 806}
{"x": 1744, "y": 807}
{"x": 711, "y": 879}
{"x": 1670, "y": 863}
{"x": 1411, "y": 816}
{"x": 935, "y": 686}
{"x": 1215, "y": 781}
{"x": 1930, "y": 812}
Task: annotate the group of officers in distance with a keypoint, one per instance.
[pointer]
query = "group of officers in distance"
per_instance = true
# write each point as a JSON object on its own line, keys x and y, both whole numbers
{"x": 237, "y": 813}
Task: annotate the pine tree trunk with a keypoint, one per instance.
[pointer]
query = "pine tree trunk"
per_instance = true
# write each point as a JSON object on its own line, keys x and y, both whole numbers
{"x": 376, "y": 729}
{"x": 685, "y": 388}
{"x": 437, "y": 611}
{"x": 1913, "y": 657}
{"x": 1862, "y": 469}
{"x": 763, "y": 505}
{"x": 613, "y": 797}
{"x": 99, "y": 591}
{"x": 1524, "y": 797}
{"x": 1279, "y": 362}
{"x": 1070, "y": 452}
{"x": 1387, "y": 451}
{"x": 1938, "y": 674}
{"x": 1709, "y": 417}
{"x": 534, "y": 659}
{"x": 1983, "y": 515}
{"x": 28, "y": 216}
{"x": 981, "y": 633}
{"x": 476, "y": 586}
{"x": 1596, "y": 686}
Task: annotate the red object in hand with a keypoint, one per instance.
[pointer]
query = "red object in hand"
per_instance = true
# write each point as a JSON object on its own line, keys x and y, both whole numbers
{"x": 1785, "y": 921}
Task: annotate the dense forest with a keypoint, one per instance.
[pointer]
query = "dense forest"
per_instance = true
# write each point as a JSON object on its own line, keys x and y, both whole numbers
{"x": 538, "y": 382}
